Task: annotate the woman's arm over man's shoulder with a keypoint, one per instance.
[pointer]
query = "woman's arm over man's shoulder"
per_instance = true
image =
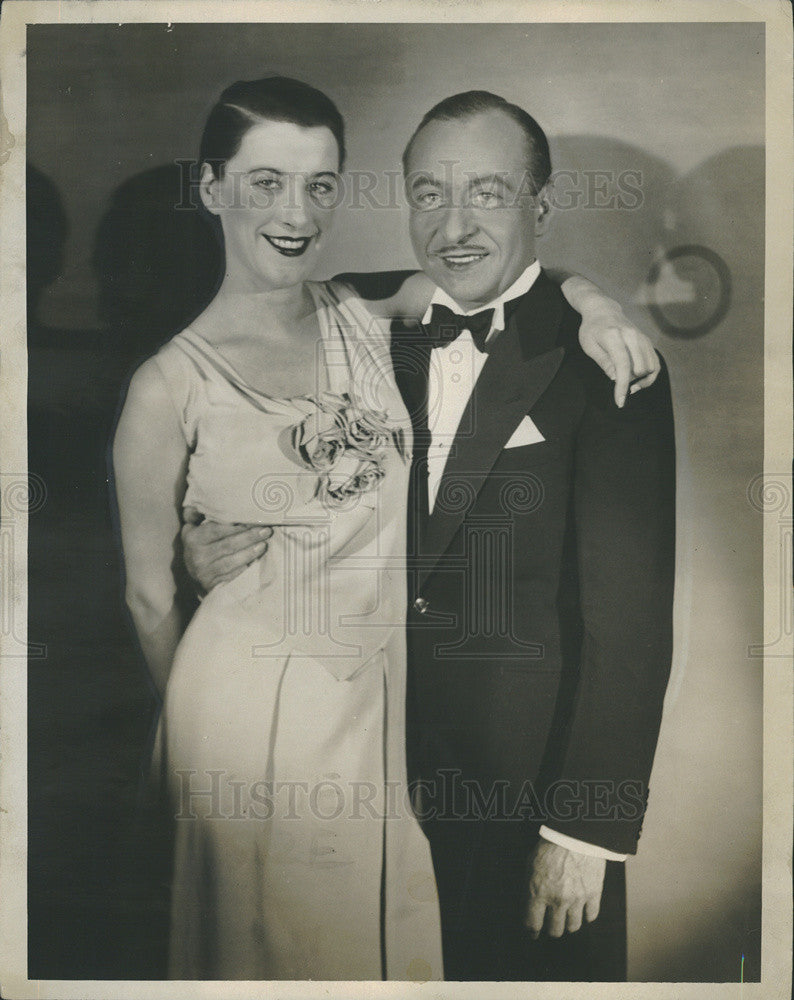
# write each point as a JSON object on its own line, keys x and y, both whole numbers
{"x": 391, "y": 293}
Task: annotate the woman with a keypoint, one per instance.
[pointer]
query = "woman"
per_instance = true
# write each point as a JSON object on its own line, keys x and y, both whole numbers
{"x": 282, "y": 732}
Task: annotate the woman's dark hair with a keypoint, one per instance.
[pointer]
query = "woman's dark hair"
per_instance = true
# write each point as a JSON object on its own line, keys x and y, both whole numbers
{"x": 273, "y": 98}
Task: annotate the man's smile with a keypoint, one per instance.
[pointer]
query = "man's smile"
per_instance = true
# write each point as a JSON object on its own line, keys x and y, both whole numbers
{"x": 289, "y": 246}
{"x": 460, "y": 258}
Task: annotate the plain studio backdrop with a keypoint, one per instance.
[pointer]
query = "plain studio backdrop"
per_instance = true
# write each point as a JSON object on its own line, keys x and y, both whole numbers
{"x": 672, "y": 116}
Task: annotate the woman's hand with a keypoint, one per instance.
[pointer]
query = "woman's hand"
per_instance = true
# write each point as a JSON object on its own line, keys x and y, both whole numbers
{"x": 616, "y": 345}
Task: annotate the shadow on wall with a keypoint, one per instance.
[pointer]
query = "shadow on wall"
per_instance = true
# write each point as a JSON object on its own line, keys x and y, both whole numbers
{"x": 47, "y": 229}
{"x": 721, "y": 204}
{"x": 61, "y": 361}
{"x": 695, "y": 885}
{"x": 619, "y": 209}
{"x": 97, "y": 864}
{"x": 158, "y": 263}
{"x": 157, "y": 258}
{"x": 611, "y": 200}
{"x": 719, "y": 381}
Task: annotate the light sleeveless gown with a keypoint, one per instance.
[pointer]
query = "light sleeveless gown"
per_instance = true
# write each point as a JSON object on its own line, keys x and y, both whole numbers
{"x": 297, "y": 855}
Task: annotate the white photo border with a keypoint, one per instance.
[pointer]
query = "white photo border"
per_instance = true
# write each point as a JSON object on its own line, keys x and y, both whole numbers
{"x": 778, "y": 680}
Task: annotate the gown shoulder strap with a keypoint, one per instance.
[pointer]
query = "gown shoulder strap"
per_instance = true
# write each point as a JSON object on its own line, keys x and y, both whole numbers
{"x": 358, "y": 322}
{"x": 186, "y": 375}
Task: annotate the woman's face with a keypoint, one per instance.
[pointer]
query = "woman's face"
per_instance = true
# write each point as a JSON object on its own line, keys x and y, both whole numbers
{"x": 275, "y": 202}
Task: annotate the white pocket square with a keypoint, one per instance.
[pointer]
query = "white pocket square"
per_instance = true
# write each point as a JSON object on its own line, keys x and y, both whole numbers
{"x": 525, "y": 433}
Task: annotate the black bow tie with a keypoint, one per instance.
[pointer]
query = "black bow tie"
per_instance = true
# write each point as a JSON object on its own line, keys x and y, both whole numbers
{"x": 446, "y": 326}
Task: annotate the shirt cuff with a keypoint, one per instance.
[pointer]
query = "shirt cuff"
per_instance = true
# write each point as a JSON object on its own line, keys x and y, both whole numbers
{"x": 580, "y": 846}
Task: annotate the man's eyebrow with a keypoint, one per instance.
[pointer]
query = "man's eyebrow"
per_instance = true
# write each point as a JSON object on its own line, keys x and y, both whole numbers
{"x": 500, "y": 178}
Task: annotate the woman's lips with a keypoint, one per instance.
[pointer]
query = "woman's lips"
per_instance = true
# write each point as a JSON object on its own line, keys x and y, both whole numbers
{"x": 289, "y": 246}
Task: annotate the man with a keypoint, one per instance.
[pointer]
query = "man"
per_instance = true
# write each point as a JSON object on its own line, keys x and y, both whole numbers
{"x": 541, "y": 545}
{"x": 541, "y": 621}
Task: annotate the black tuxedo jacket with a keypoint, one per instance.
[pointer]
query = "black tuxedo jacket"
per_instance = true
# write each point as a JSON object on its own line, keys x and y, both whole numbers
{"x": 540, "y": 618}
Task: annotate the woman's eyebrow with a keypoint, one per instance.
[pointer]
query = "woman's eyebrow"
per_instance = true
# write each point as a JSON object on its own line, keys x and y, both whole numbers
{"x": 271, "y": 170}
{"x": 282, "y": 173}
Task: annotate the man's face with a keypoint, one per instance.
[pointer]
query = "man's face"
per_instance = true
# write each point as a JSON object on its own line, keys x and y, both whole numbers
{"x": 473, "y": 211}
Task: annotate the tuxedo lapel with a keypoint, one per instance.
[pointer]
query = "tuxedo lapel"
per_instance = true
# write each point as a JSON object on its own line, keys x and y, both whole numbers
{"x": 410, "y": 354}
{"x": 522, "y": 363}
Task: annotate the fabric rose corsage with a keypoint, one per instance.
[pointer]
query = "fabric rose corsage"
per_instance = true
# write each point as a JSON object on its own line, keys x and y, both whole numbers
{"x": 346, "y": 445}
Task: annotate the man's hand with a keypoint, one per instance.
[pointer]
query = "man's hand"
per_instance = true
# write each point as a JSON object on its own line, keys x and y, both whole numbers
{"x": 217, "y": 552}
{"x": 566, "y": 884}
{"x": 619, "y": 348}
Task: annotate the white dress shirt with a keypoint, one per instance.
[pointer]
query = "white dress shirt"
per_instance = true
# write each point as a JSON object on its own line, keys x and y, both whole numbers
{"x": 454, "y": 370}
{"x": 453, "y": 373}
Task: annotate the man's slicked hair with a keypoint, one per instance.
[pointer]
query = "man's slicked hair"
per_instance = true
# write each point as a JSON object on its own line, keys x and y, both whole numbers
{"x": 475, "y": 102}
